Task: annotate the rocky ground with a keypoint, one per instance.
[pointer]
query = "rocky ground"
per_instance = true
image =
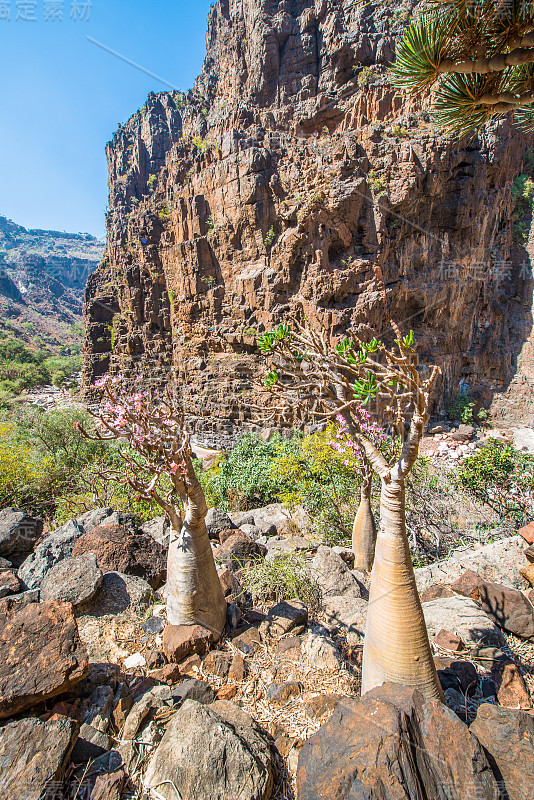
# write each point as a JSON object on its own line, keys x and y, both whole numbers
{"x": 100, "y": 698}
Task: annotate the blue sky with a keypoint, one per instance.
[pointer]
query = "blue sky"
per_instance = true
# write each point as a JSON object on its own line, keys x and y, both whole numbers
{"x": 62, "y": 97}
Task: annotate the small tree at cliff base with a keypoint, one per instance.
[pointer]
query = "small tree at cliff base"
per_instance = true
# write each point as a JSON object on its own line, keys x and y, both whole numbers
{"x": 309, "y": 375}
{"x": 478, "y": 58}
{"x": 157, "y": 464}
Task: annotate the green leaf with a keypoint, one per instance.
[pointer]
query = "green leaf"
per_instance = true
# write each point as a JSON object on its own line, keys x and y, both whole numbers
{"x": 419, "y": 54}
{"x": 271, "y": 379}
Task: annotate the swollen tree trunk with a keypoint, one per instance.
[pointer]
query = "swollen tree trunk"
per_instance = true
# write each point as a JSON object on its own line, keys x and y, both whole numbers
{"x": 364, "y": 532}
{"x": 396, "y": 644}
{"x": 194, "y": 592}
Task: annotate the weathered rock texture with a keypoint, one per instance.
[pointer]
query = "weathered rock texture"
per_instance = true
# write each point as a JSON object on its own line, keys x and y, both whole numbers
{"x": 389, "y": 745}
{"x": 41, "y": 654}
{"x": 34, "y": 755}
{"x": 276, "y": 185}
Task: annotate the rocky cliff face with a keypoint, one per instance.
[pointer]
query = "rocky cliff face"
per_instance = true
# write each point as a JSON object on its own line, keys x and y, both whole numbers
{"x": 277, "y": 185}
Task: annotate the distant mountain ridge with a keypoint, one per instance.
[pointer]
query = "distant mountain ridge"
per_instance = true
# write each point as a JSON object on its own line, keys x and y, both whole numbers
{"x": 42, "y": 282}
{"x": 68, "y": 257}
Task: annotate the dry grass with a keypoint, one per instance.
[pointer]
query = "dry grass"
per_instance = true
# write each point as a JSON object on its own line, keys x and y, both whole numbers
{"x": 267, "y": 666}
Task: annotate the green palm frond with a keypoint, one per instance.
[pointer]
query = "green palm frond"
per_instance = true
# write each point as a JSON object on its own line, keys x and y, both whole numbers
{"x": 524, "y": 118}
{"x": 419, "y": 54}
{"x": 456, "y": 105}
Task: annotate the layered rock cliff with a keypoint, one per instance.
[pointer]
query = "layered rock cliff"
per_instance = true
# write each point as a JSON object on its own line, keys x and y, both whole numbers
{"x": 278, "y": 184}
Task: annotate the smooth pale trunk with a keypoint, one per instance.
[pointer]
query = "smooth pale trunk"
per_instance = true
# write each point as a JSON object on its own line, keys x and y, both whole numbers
{"x": 364, "y": 533}
{"x": 396, "y": 646}
{"x": 194, "y": 592}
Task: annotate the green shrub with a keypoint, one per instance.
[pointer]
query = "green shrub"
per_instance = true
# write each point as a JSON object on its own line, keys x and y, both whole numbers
{"x": 22, "y": 368}
{"x": 283, "y": 577}
{"x": 151, "y": 182}
{"x": 376, "y": 182}
{"x": 302, "y": 471}
{"x": 460, "y": 409}
{"x": 48, "y": 468}
{"x": 503, "y": 478}
{"x": 243, "y": 479}
{"x": 269, "y": 238}
{"x": 366, "y": 77}
{"x": 200, "y": 143}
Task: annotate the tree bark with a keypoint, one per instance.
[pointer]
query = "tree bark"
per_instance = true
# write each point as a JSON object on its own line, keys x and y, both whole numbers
{"x": 396, "y": 646}
{"x": 364, "y": 532}
{"x": 194, "y": 592}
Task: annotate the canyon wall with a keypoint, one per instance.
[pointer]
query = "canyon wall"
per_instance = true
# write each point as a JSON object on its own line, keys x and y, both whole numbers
{"x": 277, "y": 185}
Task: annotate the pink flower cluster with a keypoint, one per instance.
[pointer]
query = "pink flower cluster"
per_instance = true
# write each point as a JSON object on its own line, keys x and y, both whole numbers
{"x": 350, "y": 449}
{"x": 150, "y": 424}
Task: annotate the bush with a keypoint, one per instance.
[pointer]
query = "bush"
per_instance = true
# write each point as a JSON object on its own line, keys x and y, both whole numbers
{"x": 244, "y": 478}
{"x": 22, "y": 368}
{"x": 523, "y": 199}
{"x": 20, "y": 468}
{"x": 48, "y": 468}
{"x": 269, "y": 238}
{"x": 461, "y": 409}
{"x": 503, "y": 478}
{"x": 304, "y": 471}
{"x": 285, "y": 576}
{"x": 366, "y": 77}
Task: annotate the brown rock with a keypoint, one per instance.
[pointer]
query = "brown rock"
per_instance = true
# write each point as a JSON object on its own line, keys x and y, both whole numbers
{"x": 508, "y": 737}
{"x": 123, "y": 702}
{"x": 230, "y": 585}
{"x": 509, "y": 608}
{"x": 9, "y": 583}
{"x": 290, "y": 647}
{"x": 118, "y": 550}
{"x": 527, "y": 533}
{"x": 435, "y": 591}
{"x": 190, "y": 665}
{"x": 155, "y": 659}
{"x": 280, "y": 693}
{"x": 63, "y": 709}
{"x": 224, "y": 535}
{"x": 529, "y": 553}
{"x": 254, "y": 617}
{"x": 217, "y": 663}
{"x": 180, "y": 641}
{"x": 237, "y": 669}
{"x": 512, "y": 690}
{"x": 248, "y": 641}
{"x": 226, "y": 692}
{"x": 41, "y": 654}
{"x": 449, "y": 641}
{"x": 391, "y": 744}
{"x": 527, "y": 573}
{"x": 109, "y": 786}
{"x": 237, "y": 550}
{"x": 284, "y": 744}
{"x": 169, "y": 674}
{"x": 34, "y": 755}
{"x": 321, "y": 704}
{"x": 283, "y": 618}
{"x": 468, "y": 584}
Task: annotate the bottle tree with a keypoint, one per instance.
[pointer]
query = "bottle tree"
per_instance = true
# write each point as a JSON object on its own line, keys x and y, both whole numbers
{"x": 321, "y": 380}
{"x": 157, "y": 464}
